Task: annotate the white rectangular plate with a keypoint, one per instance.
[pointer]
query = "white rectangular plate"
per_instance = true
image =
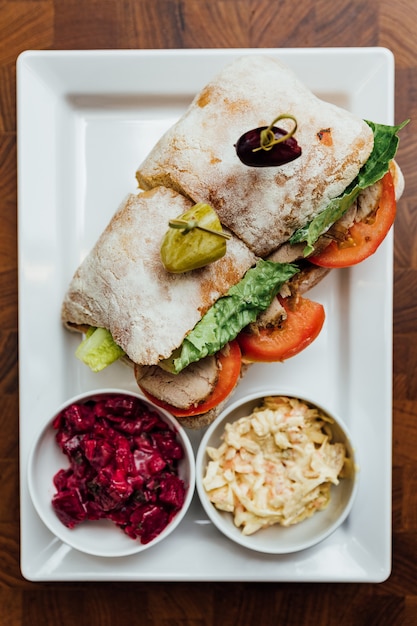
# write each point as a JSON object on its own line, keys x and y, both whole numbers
{"x": 85, "y": 122}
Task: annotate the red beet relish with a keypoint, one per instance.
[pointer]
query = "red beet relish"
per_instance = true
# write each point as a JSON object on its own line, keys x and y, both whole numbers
{"x": 123, "y": 466}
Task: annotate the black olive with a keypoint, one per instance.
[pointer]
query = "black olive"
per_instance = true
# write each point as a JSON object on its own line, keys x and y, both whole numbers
{"x": 250, "y": 151}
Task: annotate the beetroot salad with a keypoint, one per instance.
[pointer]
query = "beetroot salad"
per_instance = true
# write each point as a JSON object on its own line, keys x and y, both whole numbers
{"x": 123, "y": 466}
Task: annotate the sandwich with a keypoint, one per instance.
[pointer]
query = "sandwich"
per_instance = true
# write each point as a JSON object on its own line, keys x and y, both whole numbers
{"x": 318, "y": 192}
{"x": 123, "y": 287}
{"x": 268, "y": 206}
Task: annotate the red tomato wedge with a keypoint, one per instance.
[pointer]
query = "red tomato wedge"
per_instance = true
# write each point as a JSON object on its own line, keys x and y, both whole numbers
{"x": 364, "y": 238}
{"x": 303, "y": 323}
{"x": 230, "y": 362}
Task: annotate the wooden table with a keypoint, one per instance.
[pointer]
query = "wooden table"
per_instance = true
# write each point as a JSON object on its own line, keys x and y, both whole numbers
{"x": 85, "y": 24}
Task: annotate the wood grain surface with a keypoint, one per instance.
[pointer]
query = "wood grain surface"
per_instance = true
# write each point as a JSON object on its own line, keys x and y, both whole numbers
{"x": 111, "y": 24}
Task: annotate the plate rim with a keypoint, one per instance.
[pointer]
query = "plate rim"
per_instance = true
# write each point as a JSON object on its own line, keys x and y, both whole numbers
{"x": 32, "y": 571}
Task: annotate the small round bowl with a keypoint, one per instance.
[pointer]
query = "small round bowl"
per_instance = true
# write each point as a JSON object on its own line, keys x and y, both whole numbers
{"x": 102, "y": 537}
{"x": 278, "y": 539}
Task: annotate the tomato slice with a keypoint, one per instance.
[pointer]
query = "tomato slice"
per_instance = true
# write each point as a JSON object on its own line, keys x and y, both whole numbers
{"x": 365, "y": 237}
{"x": 303, "y": 323}
{"x": 230, "y": 361}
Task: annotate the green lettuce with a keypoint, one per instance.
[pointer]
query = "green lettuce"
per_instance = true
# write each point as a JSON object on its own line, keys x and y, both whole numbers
{"x": 98, "y": 349}
{"x": 384, "y": 150}
{"x": 239, "y": 307}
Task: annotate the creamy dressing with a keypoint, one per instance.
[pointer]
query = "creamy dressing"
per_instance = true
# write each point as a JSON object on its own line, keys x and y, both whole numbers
{"x": 274, "y": 466}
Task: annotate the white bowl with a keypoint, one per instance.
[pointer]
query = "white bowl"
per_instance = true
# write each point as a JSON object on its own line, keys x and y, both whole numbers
{"x": 278, "y": 539}
{"x": 102, "y": 537}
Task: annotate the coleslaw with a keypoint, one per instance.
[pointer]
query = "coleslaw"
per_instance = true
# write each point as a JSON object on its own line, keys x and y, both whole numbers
{"x": 275, "y": 466}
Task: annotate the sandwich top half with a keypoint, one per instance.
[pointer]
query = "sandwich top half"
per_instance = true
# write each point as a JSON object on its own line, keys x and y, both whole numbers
{"x": 262, "y": 206}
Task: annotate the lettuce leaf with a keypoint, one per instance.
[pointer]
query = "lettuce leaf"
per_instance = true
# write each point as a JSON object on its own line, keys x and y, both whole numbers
{"x": 232, "y": 312}
{"x": 384, "y": 150}
{"x": 98, "y": 349}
